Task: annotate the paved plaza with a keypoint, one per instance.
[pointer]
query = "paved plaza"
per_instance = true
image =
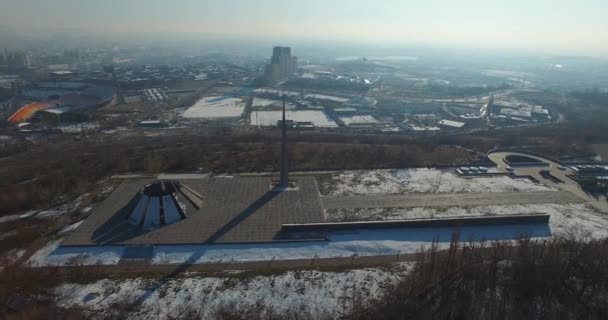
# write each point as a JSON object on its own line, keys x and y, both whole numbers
{"x": 245, "y": 209}
{"x": 234, "y": 209}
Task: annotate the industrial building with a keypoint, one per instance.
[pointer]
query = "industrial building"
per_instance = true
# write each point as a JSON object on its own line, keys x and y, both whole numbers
{"x": 63, "y": 96}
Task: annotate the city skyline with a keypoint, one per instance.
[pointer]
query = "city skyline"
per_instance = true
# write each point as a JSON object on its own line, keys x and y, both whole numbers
{"x": 563, "y": 26}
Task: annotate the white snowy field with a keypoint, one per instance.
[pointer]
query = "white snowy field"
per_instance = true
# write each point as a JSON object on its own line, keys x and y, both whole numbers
{"x": 270, "y": 118}
{"x": 325, "y": 97}
{"x": 378, "y": 182}
{"x": 54, "y": 255}
{"x": 276, "y": 92}
{"x": 270, "y": 104}
{"x": 295, "y": 294}
{"x": 363, "y": 119}
{"x": 215, "y": 108}
{"x": 566, "y": 219}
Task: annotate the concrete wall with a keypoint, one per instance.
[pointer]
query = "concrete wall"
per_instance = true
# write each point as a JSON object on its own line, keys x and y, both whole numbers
{"x": 420, "y": 223}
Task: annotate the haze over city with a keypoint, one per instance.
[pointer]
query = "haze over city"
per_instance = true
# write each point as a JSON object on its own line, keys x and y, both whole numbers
{"x": 274, "y": 160}
{"x": 562, "y": 26}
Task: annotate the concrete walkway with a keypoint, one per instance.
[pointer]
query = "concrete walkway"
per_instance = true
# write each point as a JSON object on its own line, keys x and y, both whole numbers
{"x": 557, "y": 170}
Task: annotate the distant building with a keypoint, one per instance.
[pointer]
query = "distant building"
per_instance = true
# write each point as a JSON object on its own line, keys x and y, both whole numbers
{"x": 61, "y": 75}
{"x": 14, "y": 60}
{"x": 151, "y": 124}
{"x": 451, "y": 124}
{"x": 282, "y": 64}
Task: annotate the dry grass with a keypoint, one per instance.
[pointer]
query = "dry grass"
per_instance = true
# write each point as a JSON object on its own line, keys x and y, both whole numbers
{"x": 48, "y": 175}
{"x": 552, "y": 279}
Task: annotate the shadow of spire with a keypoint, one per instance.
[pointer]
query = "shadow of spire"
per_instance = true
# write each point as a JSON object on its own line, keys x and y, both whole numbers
{"x": 251, "y": 209}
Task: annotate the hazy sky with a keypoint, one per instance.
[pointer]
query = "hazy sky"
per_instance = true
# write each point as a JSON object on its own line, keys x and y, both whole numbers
{"x": 570, "y": 26}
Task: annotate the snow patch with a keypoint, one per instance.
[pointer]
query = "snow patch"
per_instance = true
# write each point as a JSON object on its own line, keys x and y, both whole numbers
{"x": 270, "y": 118}
{"x": 363, "y": 119}
{"x": 51, "y": 213}
{"x": 70, "y": 227}
{"x": 78, "y": 128}
{"x": 216, "y": 108}
{"x": 17, "y": 216}
{"x": 378, "y": 182}
{"x": 302, "y": 294}
{"x": 54, "y": 255}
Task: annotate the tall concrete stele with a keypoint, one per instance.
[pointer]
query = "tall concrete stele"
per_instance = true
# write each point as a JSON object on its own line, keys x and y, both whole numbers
{"x": 284, "y": 182}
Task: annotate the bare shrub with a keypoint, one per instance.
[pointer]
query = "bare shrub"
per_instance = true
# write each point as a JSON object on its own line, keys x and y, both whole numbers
{"x": 549, "y": 279}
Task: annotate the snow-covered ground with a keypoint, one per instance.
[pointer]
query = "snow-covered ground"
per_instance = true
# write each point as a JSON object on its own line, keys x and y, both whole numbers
{"x": 268, "y": 103}
{"x": 216, "y": 108}
{"x": 51, "y": 213}
{"x": 295, "y": 294}
{"x": 270, "y": 118}
{"x": 71, "y": 227}
{"x": 402, "y": 181}
{"x": 54, "y": 255}
{"x": 566, "y": 219}
{"x": 78, "y": 128}
{"x": 46, "y": 214}
{"x": 325, "y": 97}
{"x": 276, "y": 92}
{"x": 15, "y": 217}
{"x": 363, "y": 119}
{"x": 364, "y": 242}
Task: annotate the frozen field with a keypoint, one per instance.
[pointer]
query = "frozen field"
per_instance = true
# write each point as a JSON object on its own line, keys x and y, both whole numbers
{"x": 326, "y": 97}
{"x": 295, "y": 294}
{"x": 365, "y": 119}
{"x": 215, "y": 108}
{"x": 262, "y": 103}
{"x": 276, "y": 92}
{"x": 378, "y": 182}
{"x": 270, "y": 118}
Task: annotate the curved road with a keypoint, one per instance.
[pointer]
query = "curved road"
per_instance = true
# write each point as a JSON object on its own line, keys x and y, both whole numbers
{"x": 556, "y": 169}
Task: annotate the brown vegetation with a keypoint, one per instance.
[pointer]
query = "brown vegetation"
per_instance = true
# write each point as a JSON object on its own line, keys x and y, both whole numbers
{"x": 552, "y": 279}
{"x": 51, "y": 174}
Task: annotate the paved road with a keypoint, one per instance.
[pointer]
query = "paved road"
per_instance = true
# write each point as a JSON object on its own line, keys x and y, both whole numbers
{"x": 448, "y": 199}
{"x": 569, "y": 185}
